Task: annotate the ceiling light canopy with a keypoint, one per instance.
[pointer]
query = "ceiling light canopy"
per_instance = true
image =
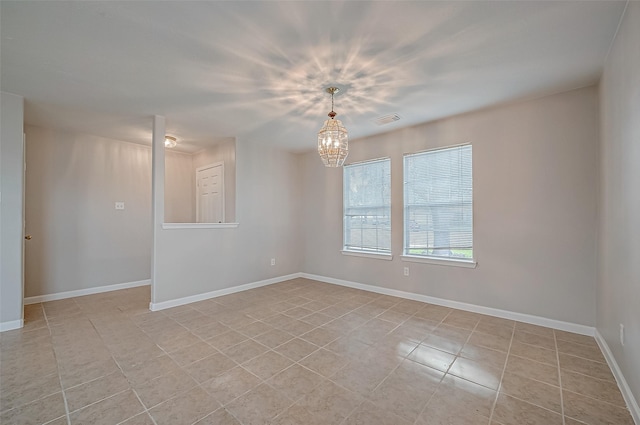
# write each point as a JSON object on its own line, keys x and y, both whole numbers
{"x": 170, "y": 142}
{"x": 333, "y": 139}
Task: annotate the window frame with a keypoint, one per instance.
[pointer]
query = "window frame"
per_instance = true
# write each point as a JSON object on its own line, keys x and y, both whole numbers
{"x": 383, "y": 255}
{"x": 434, "y": 259}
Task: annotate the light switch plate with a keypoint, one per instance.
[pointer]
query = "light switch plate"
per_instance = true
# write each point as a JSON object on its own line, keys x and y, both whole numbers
{"x": 119, "y": 205}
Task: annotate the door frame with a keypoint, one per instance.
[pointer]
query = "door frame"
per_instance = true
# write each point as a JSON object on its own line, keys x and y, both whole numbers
{"x": 24, "y": 220}
{"x": 204, "y": 167}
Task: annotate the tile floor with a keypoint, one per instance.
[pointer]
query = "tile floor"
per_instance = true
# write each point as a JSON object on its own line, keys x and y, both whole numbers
{"x": 297, "y": 352}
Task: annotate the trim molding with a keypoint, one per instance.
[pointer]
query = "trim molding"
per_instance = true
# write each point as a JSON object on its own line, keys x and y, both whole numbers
{"x": 632, "y": 404}
{"x": 220, "y": 292}
{"x": 9, "y": 326}
{"x": 505, "y": 314}
{"x": 375, "y": 255}
{"x": 87, "y": 291}
{"x": 451, "y": 262}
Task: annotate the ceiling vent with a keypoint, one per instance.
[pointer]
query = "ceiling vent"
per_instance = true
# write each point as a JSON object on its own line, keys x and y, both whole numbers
{"x": 387, "y": 119}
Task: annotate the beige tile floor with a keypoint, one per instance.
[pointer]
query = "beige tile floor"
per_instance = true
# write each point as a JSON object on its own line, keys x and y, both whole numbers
{"x": 297, "y": 352}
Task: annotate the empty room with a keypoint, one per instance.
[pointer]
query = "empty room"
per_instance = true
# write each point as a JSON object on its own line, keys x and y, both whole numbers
{"x": 320, "y": 212}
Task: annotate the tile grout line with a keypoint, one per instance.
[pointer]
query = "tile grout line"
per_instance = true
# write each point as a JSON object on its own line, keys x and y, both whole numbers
{"x": 559, "y": 374}
{"x": 297, "y": 362}
{"x": 444, "y": 373}
{"x": 145, "y": 410}
{"x": 535, "y": 379}
{"x": 53, "y": 347}
{"x": 63, "y": 389}
{"x": 504, "y": 369}
{"x": 222, "y": 353}
{"x": 364, "y": 399}
{"x": 102, "y": 399}
{"x": 555, "y": 340}
{"x": 52, "y": 373}
{"x": 617, "y": 406}
{"x": 262, "y": 381}
{"x": 273, "y": 349}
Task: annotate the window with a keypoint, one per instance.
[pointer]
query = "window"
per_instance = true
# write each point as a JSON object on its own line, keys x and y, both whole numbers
{"x": 367, "y": 207}
{"x": 438, "y": 204}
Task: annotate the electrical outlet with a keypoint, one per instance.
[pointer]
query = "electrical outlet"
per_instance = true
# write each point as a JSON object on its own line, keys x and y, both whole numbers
{"x": 621, "y": 334}
{"x": 406, "y": 271}
{"x": 273, "y": 261}
{"x": 119, "y": 205}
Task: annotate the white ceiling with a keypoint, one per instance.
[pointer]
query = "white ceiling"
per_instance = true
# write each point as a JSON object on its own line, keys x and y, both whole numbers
{"x": 257, "y": 70}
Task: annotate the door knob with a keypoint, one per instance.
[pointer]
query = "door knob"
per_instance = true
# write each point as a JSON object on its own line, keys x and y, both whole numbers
{"x": 28, "y": 237}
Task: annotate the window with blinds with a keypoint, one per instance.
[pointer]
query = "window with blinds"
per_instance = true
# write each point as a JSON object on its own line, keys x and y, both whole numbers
{"x": 367, "y": 207}
{"x": 438, "y": 203}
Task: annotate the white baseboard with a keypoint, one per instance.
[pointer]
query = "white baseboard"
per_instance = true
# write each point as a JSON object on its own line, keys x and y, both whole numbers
{"x": 9, "y": 326}
{"x": 87, "y": 291}
{"x": 536, "y": 320}
{"x": 505, "y": 314}
{"x": 632, "y": 404}
{"x": 220, "y": 292}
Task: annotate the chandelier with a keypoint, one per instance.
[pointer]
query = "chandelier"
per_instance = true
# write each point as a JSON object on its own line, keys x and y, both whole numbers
{"x": 170, "y": 142}
{"x": 333, "y": 139}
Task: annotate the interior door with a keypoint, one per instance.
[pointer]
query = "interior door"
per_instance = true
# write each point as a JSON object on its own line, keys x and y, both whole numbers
{"x": 210, "y": 193}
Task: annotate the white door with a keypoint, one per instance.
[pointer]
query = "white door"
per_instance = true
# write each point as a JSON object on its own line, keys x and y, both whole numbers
{"x": 210, "y": 193}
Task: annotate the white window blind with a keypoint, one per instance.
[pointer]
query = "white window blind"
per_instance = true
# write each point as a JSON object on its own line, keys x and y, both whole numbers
{"x": 438, "y": 203}
{"x": 367, "y": 207}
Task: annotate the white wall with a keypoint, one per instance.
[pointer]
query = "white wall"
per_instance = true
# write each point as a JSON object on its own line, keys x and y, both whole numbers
{"x": 618, "y": 291}
{"x": 535, "y": 180}
{"x": 189, "y": 262}
{"x": 11, "y": 208}
{"x": 80, "y": 240}
{"x": 179, "y": 187}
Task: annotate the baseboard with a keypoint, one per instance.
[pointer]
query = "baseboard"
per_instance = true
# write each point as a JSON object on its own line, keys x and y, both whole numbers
{"x": 220, "y": 292}
{"x": 505, "y": 314}
{"x": 9, "y": 326}
{"x": 536, "y": 320}
{"x": 87, "y": 291}
{"x": 632, "y": 404}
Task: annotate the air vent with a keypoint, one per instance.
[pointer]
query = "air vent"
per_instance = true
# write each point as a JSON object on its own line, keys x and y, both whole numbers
{"x": 386, "y": 119}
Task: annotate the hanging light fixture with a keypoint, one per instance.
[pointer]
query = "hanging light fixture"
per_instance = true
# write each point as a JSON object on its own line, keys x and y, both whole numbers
{"x": 170, "y": 142}
{"x": 333, "y": 139}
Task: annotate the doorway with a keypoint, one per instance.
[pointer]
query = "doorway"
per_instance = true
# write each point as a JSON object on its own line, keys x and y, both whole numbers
{"x": 210, "y": 193}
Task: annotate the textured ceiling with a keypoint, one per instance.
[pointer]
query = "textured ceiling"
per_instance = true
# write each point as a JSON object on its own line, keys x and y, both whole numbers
{"x": 257, "y": 70}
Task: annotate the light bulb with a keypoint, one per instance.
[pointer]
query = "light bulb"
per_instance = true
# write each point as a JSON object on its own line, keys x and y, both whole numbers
{"x": 170, "y": 142}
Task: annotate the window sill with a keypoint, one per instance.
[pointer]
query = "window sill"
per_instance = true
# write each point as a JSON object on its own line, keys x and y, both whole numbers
{"x": 387, "y": 257}
{"x": 172, "y": 226}
{"x": 470, "y": 264}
